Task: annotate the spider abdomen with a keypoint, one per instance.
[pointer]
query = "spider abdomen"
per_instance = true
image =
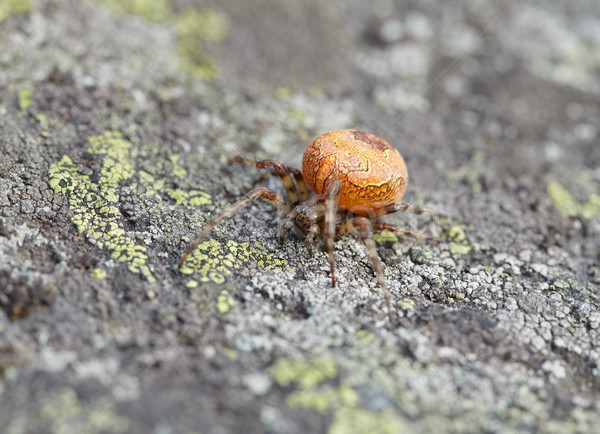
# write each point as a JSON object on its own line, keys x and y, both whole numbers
{"x": 372, "y": 173}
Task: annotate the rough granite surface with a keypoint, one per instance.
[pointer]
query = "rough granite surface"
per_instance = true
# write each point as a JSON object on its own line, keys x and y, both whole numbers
{"x": 117, "y": 121}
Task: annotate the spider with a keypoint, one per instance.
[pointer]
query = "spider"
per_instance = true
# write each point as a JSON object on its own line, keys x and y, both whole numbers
{"x": 357, "y": 177}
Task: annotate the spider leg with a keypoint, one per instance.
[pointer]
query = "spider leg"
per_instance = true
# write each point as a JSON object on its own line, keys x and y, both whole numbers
{"x": 294, "y": 191}
{"x": 367, "y": 233}
{"x": 300, "y": 183}
{"x": 270, "y": 195}
{"x": 383, "y": 226}
{"x": 302, "y": 188}
{"x": 313, "y": 231}
{"x": 331, "y": 207}
{"x": 287, "y": 222}
{"x": 395, "y": 207}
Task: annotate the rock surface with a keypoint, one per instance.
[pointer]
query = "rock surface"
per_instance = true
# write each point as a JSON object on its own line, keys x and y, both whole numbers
{"x": 117, "y": 120}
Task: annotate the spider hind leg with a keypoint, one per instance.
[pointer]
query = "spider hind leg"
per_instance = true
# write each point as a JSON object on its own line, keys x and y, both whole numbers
{"x": 383, "y": 226}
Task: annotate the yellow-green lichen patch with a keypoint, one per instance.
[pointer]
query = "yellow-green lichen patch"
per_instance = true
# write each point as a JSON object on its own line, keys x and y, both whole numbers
{"x": 94, "y": 201}
{"x": 181, "y": 197}
{"x": 306, "y": 373}
{"x": 214, "y": 261}
{"x": 323, "y": 399}
{"x": 154, "y": 10}
{"x": 98, "y": 273}
{"x": 365, "y": 336}
{"x": 178, "y": 170}
{"x": 194, "y": 29}
{"x": 343, "y": 402}
{"x": 458, "y": 245}
{"x": 224, "y": 302}
{"x": 189, "y": 198}
{"x": 385, "y": 236}
{"x": 25, "y": 97}
{"x": 406, "y": 304}
{"x": 231, "y": 354}
{"x": 63, "y": 412}
{"x": 349, "y": 420}
{"x": 11, "y": 8}
{"x": 566, "y": 203}
{"x": 283, "y": 93}
{"x": 206, "y": 25}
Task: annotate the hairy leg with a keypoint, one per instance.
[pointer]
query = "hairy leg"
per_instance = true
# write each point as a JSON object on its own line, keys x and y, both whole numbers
{"x": 383, "y": 226}
{"x": 396, "y": 207}
{"x": 331, "y": 208}
{"x": 294, "y": 191}
{"x": 310, "y": 237}
{"x": 301, "y": 184}
{"x": 366, "y": 227}
{"x": 270, "y": 195}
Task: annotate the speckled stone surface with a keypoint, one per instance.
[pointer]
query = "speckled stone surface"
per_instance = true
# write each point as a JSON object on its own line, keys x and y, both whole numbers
{"x": 117, "y": 120}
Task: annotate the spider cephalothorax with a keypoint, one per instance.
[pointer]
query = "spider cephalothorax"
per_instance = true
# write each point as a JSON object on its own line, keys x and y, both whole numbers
{"x": 357, "y": 177}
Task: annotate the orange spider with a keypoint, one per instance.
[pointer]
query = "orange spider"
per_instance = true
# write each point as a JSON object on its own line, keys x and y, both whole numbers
{"x": 356, "y": 176}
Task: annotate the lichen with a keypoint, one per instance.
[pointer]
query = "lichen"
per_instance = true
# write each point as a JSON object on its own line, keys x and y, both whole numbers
{"x": 352, "y": 420}
{"x": 323, "y": 399}
{"x": 98, "y": 273}
{"x": 566, "y": 203}
{"x": 343, "y": 401}
{"x": 62, "y": 411}
{"x": 406, "y": 304}
{"x": 385, "y": 236}
{"x": 306, "y": 373}
{"x": 94, "y": 200}
{"x": 224, "y": 302}
{"x": 459, "y": 244}
{"x": 153, "y": 10}
{"x": 11, "y": 8}
{"x": 194, "y": 29}
{"x": 214, "y": 260}
{"x": 25, "y": 98}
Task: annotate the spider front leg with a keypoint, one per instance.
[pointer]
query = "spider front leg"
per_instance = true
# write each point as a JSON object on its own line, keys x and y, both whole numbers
{"x": 313, "y": 231}
{"x": 270, "y": 195}
{"x": 331, "y": 207}
{"x": 366, "y": 227}
{"x": 294, "y": 190}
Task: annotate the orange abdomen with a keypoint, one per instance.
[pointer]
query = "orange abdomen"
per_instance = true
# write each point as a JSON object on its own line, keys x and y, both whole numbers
{"x": 373, "y": 174}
